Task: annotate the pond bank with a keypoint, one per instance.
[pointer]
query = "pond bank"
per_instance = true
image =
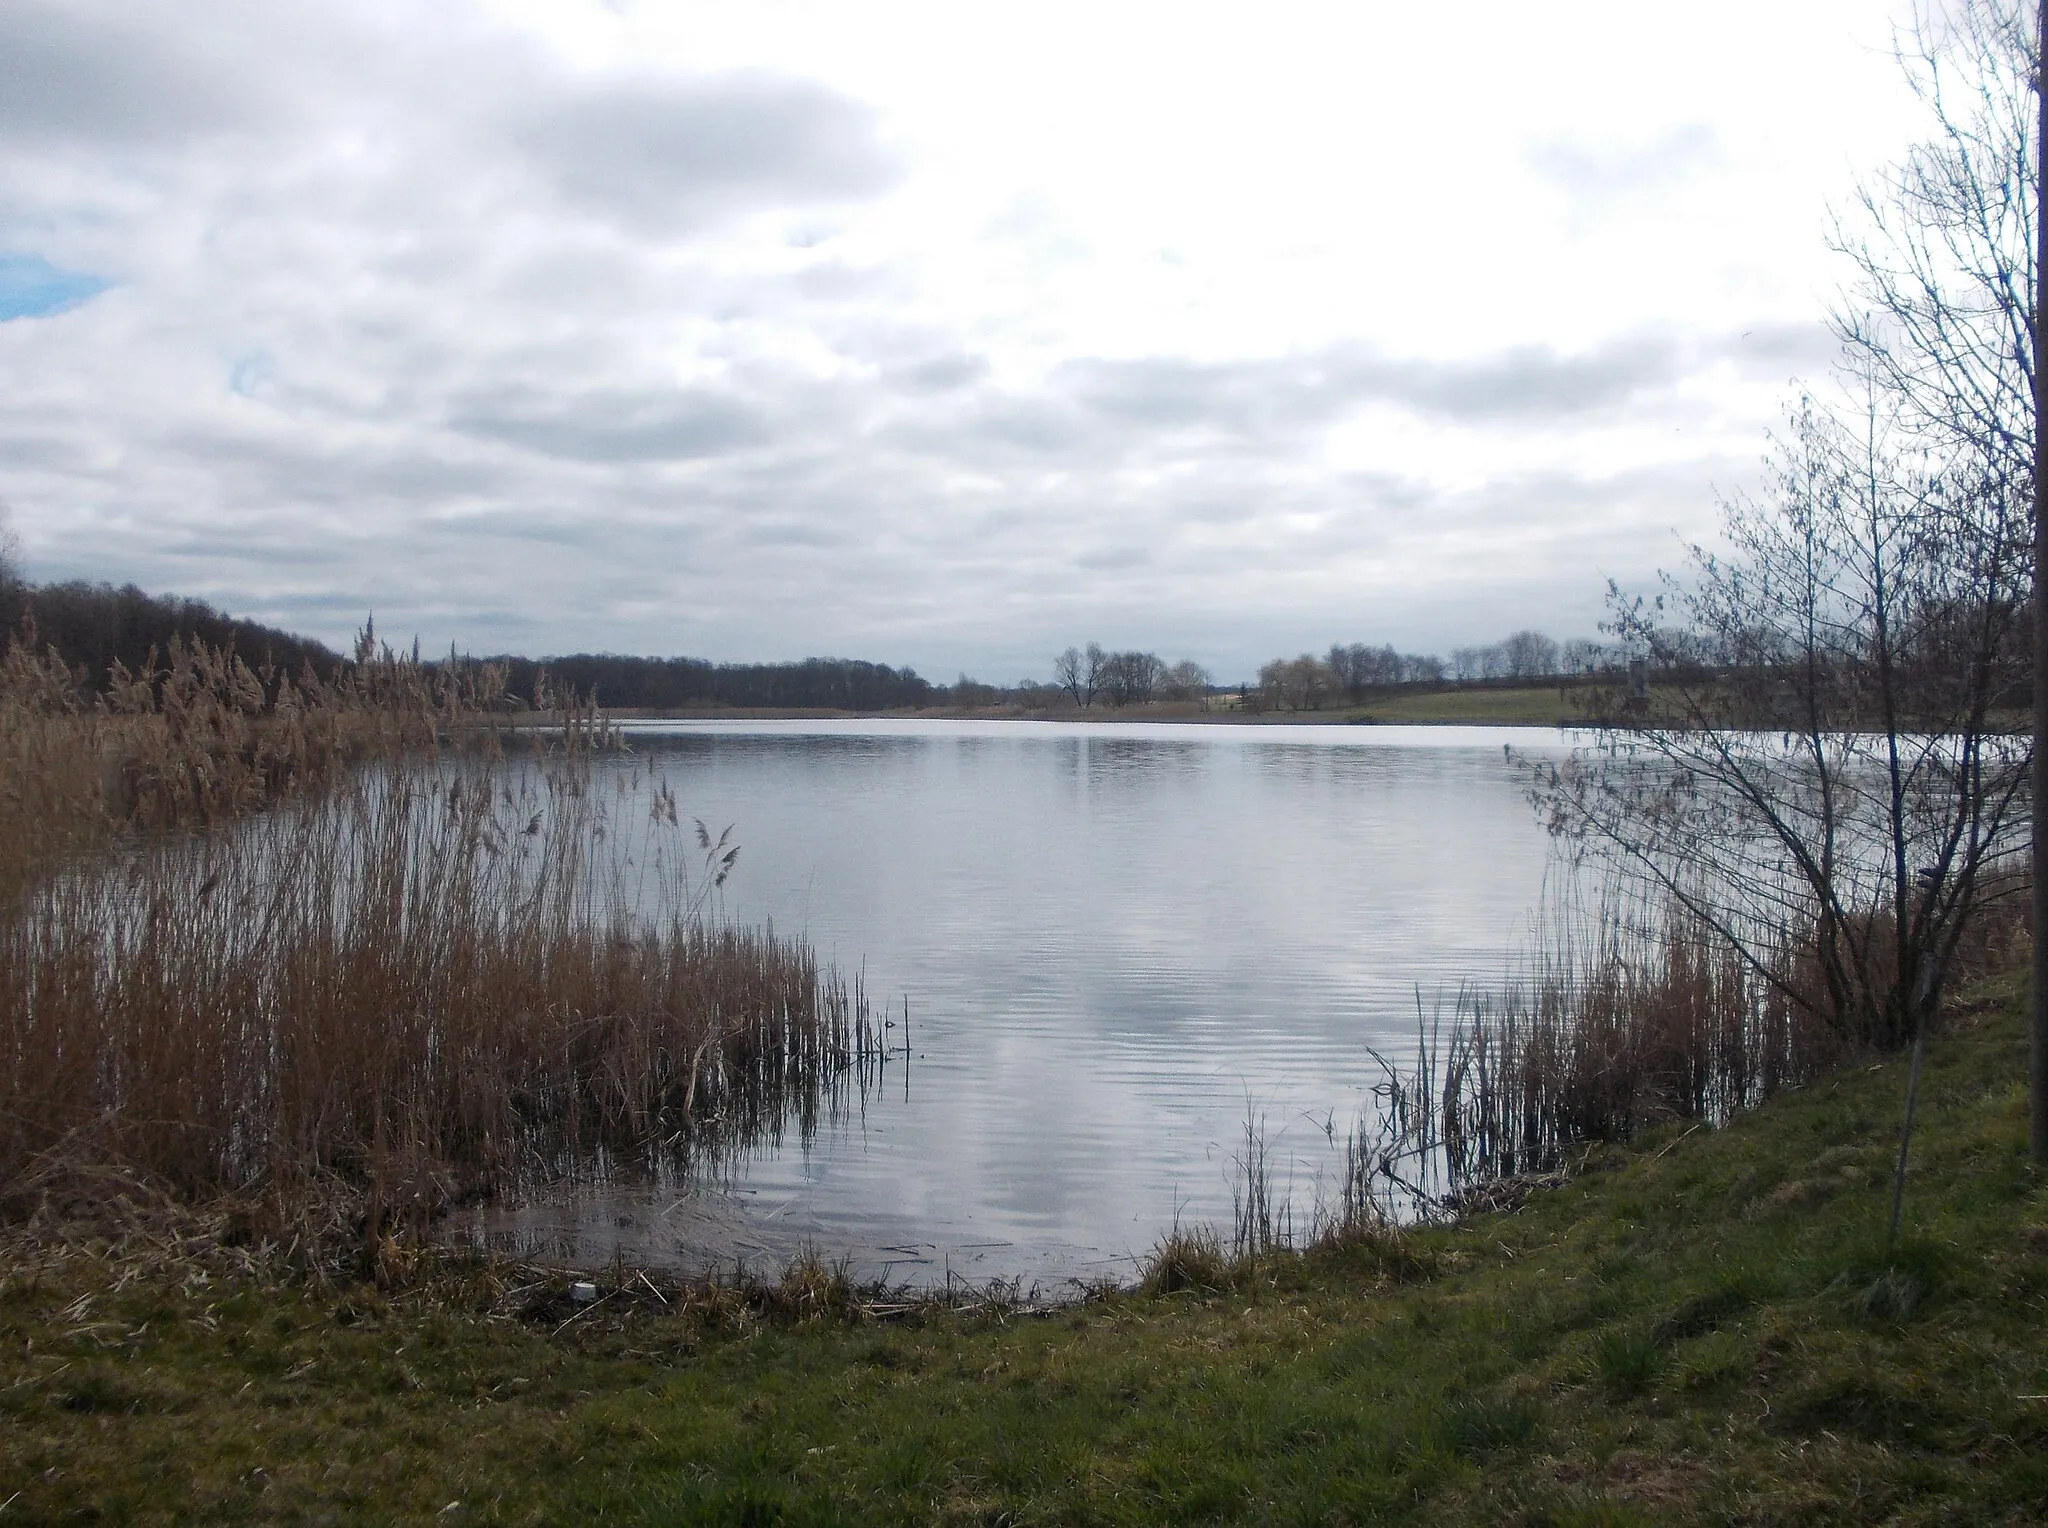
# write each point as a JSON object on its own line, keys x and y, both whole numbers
{"x": 1698, "y": 1329}
{"x": 1488, "y": 704}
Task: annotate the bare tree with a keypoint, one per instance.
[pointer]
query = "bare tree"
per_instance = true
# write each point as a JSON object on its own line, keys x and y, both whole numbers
{"x": 1080, "y": 673}
{"x": 1185, "y": 680}
{"x": 1066, "y": 675}
{"x": 1311, "y": 682}
{"x": 1422, "y": 668}
{"x": 1131, "y": 678}
{"x": 1529, "y": 655}
{"x": 1272, "y": 686}
{"x": 1389, "y": 667}
{"x": 1350, "y": 668}
{"x": 14, "y": 592}
{"x": 1824, "y": 779}
{"x": 2037, "y": 1063}
{"x": 968, "y": 691}
{"x": 1584, "y": 655}
{"x": 1941, "y": 315}
{"x": 1359, "y": 667}
{"x": 1946, "y": 314}
{"x": 1297, "y": 684}
{"x": 10, "y": 551}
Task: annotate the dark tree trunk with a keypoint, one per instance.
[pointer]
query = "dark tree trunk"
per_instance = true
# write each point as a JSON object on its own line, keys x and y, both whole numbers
{"x": 2037, "y": 1067}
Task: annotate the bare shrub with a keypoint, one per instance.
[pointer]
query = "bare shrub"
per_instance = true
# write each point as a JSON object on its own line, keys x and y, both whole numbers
{"x": 1625, "y": 1018}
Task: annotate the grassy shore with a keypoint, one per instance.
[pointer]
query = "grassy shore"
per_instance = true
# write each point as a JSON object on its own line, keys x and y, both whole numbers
{"x": 1536, "y": 706}
{"x": 1701, "y": 1328}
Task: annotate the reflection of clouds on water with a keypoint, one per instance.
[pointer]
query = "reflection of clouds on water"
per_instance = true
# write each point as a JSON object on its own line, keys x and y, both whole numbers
{"x": 1110, "y": 938}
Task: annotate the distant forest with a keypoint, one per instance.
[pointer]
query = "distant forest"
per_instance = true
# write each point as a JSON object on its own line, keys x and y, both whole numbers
{"x": 93, "y": 626}
{"x": 841, "y": 684}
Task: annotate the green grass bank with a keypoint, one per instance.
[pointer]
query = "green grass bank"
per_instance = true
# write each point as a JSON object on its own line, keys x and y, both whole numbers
{"x": 1527, "y": 706}
{"x": 1698, "y": 1329}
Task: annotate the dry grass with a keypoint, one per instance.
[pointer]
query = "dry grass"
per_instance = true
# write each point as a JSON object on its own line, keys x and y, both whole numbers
{"x": 1190, "y": 1259}
{"x": 133, "y": 1235}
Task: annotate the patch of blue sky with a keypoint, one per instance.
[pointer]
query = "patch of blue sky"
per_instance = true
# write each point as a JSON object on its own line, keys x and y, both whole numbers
{"x": 249, "y": 372}
{"x": 31, "y": 287}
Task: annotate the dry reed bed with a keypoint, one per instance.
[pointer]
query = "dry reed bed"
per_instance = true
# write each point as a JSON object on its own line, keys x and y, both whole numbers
{"x": 1627, "y": 1017}
{"x": 262, "y": 933}
{"x": 420, "y": 971}
{"x": 201, "y": 737}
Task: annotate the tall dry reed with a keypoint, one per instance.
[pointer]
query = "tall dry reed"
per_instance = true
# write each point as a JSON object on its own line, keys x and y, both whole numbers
{"x": 1625, "y": 1017}
{"x": 200, "y": 736}
{"x": 265, "y": 930}
{"x": 430, "y": 965}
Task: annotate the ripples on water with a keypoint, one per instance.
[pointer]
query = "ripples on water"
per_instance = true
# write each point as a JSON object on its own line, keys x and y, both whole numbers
{"x": 1114, "y": 943}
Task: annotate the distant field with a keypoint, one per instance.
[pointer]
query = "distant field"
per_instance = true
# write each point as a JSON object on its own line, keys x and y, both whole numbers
{"x": 1543, "y": 706}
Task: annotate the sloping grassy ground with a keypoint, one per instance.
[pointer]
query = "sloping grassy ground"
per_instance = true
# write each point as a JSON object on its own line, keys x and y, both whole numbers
{"x": 1700, "y": 1329}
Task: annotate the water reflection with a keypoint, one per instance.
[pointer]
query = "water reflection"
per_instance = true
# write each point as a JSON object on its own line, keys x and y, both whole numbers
{"x": 1113, "y": 943}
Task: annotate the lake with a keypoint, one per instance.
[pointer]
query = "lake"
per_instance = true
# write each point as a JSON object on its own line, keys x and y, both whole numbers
{"x": 1116, "y": 943}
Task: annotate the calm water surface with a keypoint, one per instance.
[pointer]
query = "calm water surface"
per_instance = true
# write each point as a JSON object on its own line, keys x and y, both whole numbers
{"x": 1116, "y": 943}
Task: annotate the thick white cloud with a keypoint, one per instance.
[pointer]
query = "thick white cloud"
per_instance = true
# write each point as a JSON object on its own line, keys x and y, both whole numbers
{"x": 934, "y": 334}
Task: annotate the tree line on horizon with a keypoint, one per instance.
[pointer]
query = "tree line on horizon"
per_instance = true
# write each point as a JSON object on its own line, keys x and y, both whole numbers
{"x": 1352, "y": 672}
{"x": 656, "y": 684}
{"x": 1086, "y": 676}
{"x": 94, "y": 626}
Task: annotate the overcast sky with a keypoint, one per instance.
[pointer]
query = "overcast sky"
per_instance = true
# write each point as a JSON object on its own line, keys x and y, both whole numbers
{"x": 942, "y": 335}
